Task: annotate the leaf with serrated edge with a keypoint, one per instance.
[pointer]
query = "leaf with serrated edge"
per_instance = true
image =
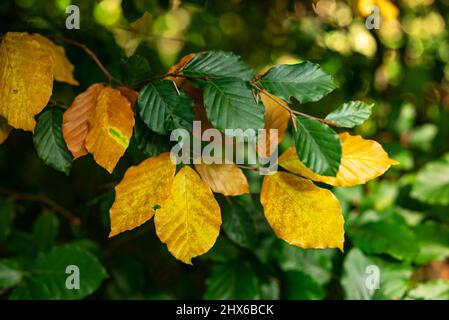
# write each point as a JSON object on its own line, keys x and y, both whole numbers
{"x": 362, "y": 160}
{"x": 304, "y": 81}
{"x": 301, "y": 213}
{"x": 189, "y": 221}
{"x": 142, "y": 188}
{"x": 218, "y": 64}
{"x": 351, "y": 114}
{"x": 75, "y": 124}
{"x": 317, "y": 146}
{"x": 230, "y": 104}
{"x": 62, "y": 67}
{"x": 162, "y": 108}
{"x": 110, "y": 129}
{"x": 49, "y": 143}
{"x": 26, "y": 79}
{"x": 227, "y": 179}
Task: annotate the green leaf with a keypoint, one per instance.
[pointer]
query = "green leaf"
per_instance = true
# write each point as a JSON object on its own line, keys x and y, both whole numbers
{"x": 391, "y": 237}
{"x": 230, "y": 104}
{"x": 300, "y": 286}
{"x": 10, "y": 273}
{"x": 432, "y": 183}
{"x": 45, "y": 230}
{"x": 134, "y": 70}
{"x": 433, "y": 241}
{"x": 49, "y": 142}
{"x": 317, "y": 145}
{"x": 238, "y": 224}
{"x": 149, "y": 142}
{"x": 7, "y": 214}
{"x": 316, "y": 263}
{"x": 431, "y": 290}
{"x": 358, "y": 276}
{"x": 49, "y": 270}
{"x": 234, "y": 280}
{"x": 218, "y": 64}
{"x": 162, "y": 108}
{"x": 304, "y": 81}
{"x": 270, "y": 289}
{"x": 351, "y": 114}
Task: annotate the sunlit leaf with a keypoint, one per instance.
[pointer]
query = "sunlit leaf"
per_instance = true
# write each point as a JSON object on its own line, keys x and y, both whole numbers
{"x": 301, "y": 213}
{"x": 189, "y": 221}
{"x": 350, "y": 114}
{"x": 361, "y": 161}
{"x": 110, "y": 128}
{"x": 227, "y": 179}
{"x": 142, "y": 189}
{"x": 28, "y": 69}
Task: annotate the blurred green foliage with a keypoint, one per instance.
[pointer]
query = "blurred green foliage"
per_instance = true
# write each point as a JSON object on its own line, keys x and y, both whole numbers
{"x": 399, "y": 223}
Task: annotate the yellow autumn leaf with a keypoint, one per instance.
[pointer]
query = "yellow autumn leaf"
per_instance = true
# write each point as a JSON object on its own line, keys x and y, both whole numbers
{"x": 189, "y": 220}
{"x": 5, "y": 129}
{"x": 276, "y": 117}
{"x": 62, "y": 68}
{"x": 301, "y": 213}
{"x": 361, "y": 161}
{"x": 227, "y": 179}
{"x": 142, "y": 188}
{"x": 26, "y": 79}
{"x": 75, "y": 123}
{"x": 110, "y": 128}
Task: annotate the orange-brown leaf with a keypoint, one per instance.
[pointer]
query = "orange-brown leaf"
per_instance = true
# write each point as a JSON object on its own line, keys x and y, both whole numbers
{"x": 75, "y": 124}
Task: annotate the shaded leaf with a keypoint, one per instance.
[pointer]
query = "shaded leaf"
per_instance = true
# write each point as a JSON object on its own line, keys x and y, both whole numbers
{"x": 7, "y": 215}
{"x": 134, "y": 70}
{"x": 317, "y": 146}
{"x": 49, "y": 142}
{"x": 149, "y": 142}
{"x": 76, "y": 120}
{"x": 163, "y": 109}
{"x": 238, "y": 224}
{"x": 235, "y": 280}
{"x": 300, "y": 286}
{"x": 5, "y": 129}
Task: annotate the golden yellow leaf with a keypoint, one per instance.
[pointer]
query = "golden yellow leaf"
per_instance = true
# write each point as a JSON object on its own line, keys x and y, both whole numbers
{"x": 276, "y": 117}
{"x": 189, "y": 220}
{"x": 361, "y": 161}
{"x": 110, "y": 128}
{"x": 227, "y": 179}
{"x": 5, "y": 129}
{"x": 142, "y": 188}
{"x": 26, "y": 79}
{"x": 75, "y": 123}
{"x": 62, "y": 68}
{"x": 301, "y": 213}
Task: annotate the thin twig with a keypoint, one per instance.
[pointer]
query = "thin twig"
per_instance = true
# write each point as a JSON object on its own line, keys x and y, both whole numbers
{"x": 91, "y": 54}
{"x": 248, "y": 167}
{"x": 15, "y": 196}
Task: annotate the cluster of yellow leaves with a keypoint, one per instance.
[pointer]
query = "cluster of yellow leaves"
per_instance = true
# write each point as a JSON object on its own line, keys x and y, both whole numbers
{"x": 100, "y": 121}
{"x": 28, "y": 65}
